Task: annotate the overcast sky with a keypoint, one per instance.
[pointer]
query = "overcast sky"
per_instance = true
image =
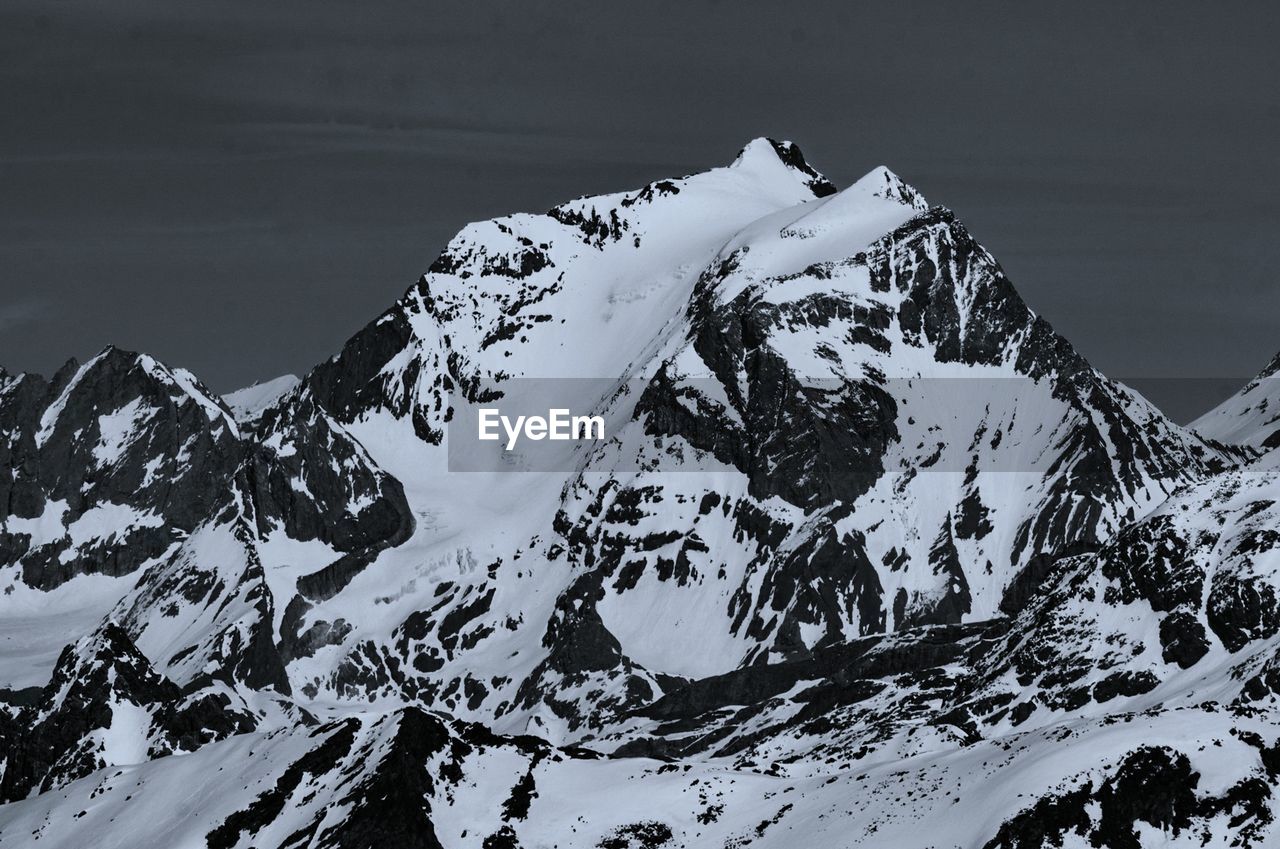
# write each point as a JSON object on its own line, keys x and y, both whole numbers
{"x": 237, "y": 187}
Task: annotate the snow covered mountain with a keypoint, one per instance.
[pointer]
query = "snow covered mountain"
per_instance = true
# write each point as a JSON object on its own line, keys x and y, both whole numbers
{"x": 1251, "y": 416}
{"x": 870, "y": 556}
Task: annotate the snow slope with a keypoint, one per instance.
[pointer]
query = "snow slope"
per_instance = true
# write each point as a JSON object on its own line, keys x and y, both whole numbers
{"x": 1251, "y": 416}
{"x": 245, "y": 404}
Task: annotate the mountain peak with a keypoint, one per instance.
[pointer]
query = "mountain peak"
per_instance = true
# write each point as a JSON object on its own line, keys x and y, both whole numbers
{"x": 883, "y": 183}
{"x": 111, "y": 365}
{"x": 249, "y": 402}
{"x": 765, "y": 153}
{"x": 1250, "y": 417}
{"x": 1272, "y": 369}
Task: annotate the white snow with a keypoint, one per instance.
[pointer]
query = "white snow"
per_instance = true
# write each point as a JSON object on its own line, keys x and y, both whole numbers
{"x": 248, "y": 403}
{"x": 1250, "y": 417}
{"x": 125, "y": 741}
{"x": 118, "y": 429}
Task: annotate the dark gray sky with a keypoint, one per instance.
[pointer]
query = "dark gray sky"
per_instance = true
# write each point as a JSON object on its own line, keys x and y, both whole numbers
{"x": 237, "y": 186}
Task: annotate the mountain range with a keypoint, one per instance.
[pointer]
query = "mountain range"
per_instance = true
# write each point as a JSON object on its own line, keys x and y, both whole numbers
{"x": 870, "y": 556}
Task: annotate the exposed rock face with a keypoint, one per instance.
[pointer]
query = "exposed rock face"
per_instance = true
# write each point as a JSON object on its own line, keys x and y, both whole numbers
{"x": 304, "y": 473}
{"x": 105, "y": 706}
{"x": 864, "y": 527}
{"x": 208, "y": 613}
{"x": 125, "y": 467}
{"x": 1153, "y": 789}
{"x": 112, "y": 461}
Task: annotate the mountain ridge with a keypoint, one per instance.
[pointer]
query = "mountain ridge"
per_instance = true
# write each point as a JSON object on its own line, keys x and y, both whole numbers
{"x": 1251, "y": 416}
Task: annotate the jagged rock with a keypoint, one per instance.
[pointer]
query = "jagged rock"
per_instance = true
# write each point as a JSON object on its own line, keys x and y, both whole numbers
{"x": 104, "y": 706}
